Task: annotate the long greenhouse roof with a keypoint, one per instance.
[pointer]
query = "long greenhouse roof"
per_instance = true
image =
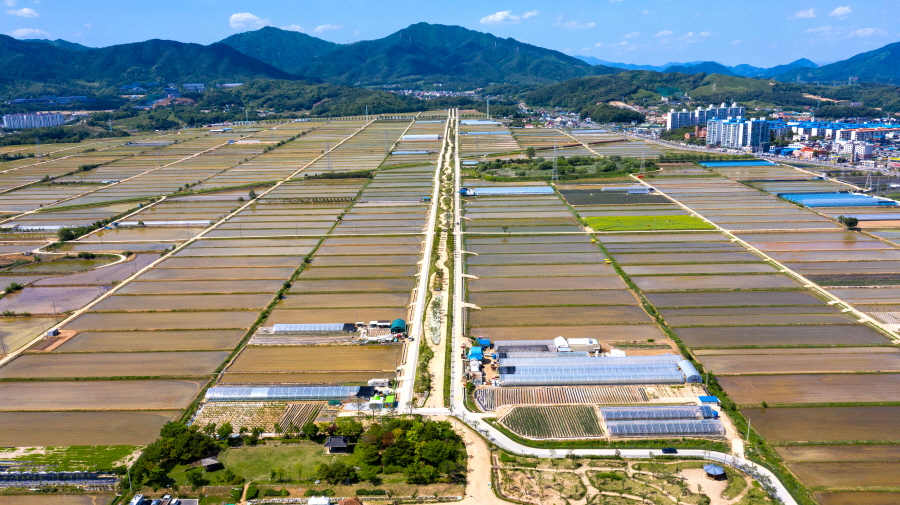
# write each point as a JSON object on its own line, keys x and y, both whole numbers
{"x": 662, "y": 412}
{"x": 224, "y": 394}
{"x": 652, "y": 428}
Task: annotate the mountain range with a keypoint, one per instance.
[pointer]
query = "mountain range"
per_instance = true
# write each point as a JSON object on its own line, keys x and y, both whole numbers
{"x": 707, "y": 67}
{"x": 421, "y": 54}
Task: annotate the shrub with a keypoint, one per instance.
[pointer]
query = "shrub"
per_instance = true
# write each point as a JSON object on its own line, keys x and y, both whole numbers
{"x": 252, "y": 491}
{"x": 370, "y": 492}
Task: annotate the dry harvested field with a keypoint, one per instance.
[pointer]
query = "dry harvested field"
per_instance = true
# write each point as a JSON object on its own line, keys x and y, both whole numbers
{"x": 598, "y": 269}
{"x": 538, "y": 298}
{"x": 172, "y": 321}
{"x": 303, "y": 378}
{"x": 34, "y": 429}
{"x": 736, "y": 336}
{"x": 558, "y": 315}
{"x": 113, "y": 365}
{"x": 99, "y": 395}
{"x": 326, "y": 316}
{"x": 217, "y": 273}
{"x": 799, "y": 350}
{"x": 298, "y": 301}
{"x": 858, "y": 498}
{"x": 357, "y": 272}
{"x": 713, "y": 268}
{"x": 201, "y": 287}
{"x": 318, "y": 358}
{"x": 239, "y": 262}
{"x": 99, "y": 341}
{"x": 735, "y": 299}
{"x": 815, "y": 453}
{"x": 827, "y": 388}
{"x": 849, "y": 473}
{"x": 825, "y": 423}
{"x": 350, "y": 285}
{"x": 675, "y": 282}
{"x": 804, "y": 363}
{"x": 545, "y": 283}
{"x": 622, "y": 332}
{"x": 183, "y": 302}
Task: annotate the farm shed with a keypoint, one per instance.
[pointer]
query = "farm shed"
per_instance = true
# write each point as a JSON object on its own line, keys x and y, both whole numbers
{"x": 708, "y": 400}
{"x": 398, "y": 326}
{"x": 211, "y": 464}
{"x": 337, "y": 445}
{"x": 420, "y": 137}
{"x": 284, "y": 393}
{"x": 690, "y": 372}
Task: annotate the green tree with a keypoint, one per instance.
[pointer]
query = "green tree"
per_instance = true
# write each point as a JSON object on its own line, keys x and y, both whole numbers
{"x": 529, "y": 153}
{"x": 225, "y": 431}
{"x": 310, "y": 430}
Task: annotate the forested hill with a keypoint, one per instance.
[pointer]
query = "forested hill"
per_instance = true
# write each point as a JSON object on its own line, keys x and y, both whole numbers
{"x": 284, "y": 49}
{"x": 635, "y": 85}
{"x": 36, "y": 66}
{"x": 420, "y": 53}
{"x": 881, "y": 65}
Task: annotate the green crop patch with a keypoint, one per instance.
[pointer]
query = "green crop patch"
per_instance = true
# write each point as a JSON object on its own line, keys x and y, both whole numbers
{"x": 646, "y": 223}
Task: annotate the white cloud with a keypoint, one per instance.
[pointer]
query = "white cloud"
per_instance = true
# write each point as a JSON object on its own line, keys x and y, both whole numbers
{"x": 24, "y": 13}
{"x": 324, "y": 28}
{"x": 664, "y": 33}
{"x": 29, "y": 33}
{"x": 806, "y": 14}
{"x": 530, "y": 14}
{"x": 631, "y": 35}
{"x": 598, "y": 44}
{"x": 821, "y": 29}
{"x": 245, "y": 20}
{"x": 841, "y": 11}
{"x": 500, "y": 17}
{"x": 735, "y": 42}
{"x": 575, "y": 25}
{"x": 865, "y": 32}
{"x": 704, "y": 34}
{"x": 10, "y": 3}
{"x": 293, "y": 28}
{"x": 87, "y": 25}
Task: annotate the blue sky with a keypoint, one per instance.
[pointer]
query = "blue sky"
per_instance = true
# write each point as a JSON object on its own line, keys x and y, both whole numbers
{"x": 758, "y": 32}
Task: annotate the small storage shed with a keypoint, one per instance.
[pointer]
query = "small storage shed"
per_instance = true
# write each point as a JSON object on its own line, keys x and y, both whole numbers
{"x": 476, "y": 353}
{"x": 211, "y": 464}
{"x": 337, "y": 445}
{"x": 398, "y": 326}
{"x": 708, "y": 400}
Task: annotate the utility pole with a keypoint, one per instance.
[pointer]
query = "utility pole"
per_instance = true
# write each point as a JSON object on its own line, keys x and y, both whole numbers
{"x": 489, "y": 108}
{"x": 110, "y": 125}
{"x": 328, "y": 155}
{"x": 37, "y": 140}
{"x": 386, "y": 148}
{"x": 555, "y": 176}
{"x": 367, "y": 116}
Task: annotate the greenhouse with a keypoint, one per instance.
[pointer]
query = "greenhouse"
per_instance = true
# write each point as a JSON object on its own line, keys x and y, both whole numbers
{"x": 685, "y": 428}
{"x": 512, "y": 191}
{"x": 562, "y": 376}
{"x": 837, "y": 199}
{"x": 646, "y": 413}
{"x": 280, "y": 393}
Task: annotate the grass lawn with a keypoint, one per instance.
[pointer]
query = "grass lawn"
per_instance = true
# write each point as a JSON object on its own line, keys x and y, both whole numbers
{"x": 79, "y": 457}
{"x": 256, "y": 463}
{"x": 647, "y": 223}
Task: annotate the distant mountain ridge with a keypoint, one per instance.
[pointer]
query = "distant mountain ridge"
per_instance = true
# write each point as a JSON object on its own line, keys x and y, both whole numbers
{"x": 696, "y": 67}
{"x": 287, "y": 50}
{"x": 421, "y": 52}
{"x": 880, "y": 65}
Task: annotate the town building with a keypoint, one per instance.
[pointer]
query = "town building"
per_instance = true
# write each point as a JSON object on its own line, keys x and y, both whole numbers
{"x": 700, "y": 116}
{"x": 738, "y": 134}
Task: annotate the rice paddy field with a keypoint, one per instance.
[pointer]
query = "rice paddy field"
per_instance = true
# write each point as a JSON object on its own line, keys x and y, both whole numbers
{"x": 143, "y": 334}
{"x": 808, "y": 351}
